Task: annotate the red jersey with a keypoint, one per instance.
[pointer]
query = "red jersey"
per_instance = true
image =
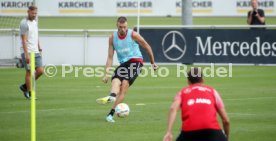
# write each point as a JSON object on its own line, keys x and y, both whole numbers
{"x": 199, "y": 104}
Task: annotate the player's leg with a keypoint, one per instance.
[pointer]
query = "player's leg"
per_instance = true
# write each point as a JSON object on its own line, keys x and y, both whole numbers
{"x": 121, "y": 95}
{"x": 115, "y": 89}
{"x": 28, "y": 84}
{"x": 25, "y": 88}
{"x": 134, "y": 69}
{"x": 120, "y": 98}
{"x": 39, "y": 70}
{"x": 116, "y": 84}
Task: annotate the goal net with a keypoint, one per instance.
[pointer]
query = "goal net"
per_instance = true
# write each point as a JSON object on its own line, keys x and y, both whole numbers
{"x": 9, "y": 41}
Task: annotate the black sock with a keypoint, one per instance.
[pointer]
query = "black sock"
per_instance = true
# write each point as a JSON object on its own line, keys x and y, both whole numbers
{"x": 30, "y": 93}
{"x": 112, "y": 111}
{"x": 112, "y": 94}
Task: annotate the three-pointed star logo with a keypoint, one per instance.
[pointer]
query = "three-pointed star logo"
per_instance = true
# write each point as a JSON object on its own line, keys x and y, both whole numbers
{"x": 174, "y": 37}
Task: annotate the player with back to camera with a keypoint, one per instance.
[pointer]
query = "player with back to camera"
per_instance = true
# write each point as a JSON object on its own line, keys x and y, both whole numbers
{"x": 30, "y": 43}
{"x": 126, "y": 44}
{"x": 199, "y": 105}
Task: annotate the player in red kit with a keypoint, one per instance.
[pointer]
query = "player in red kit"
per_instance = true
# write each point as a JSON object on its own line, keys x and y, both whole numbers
{"x": 199, "y": 105}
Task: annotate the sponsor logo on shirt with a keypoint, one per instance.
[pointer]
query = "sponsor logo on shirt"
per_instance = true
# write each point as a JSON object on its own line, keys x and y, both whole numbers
{"x": 199, "y": 101}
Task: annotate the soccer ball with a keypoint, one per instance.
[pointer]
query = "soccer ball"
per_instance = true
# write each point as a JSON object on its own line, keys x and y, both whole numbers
{"x": 122, "y": 110}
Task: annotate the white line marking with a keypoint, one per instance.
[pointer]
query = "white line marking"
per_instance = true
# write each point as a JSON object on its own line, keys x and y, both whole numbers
{"x": 140, "y": 104}
{"x": 42, "y": 110}
{"x": 242, "y": 114}
{"x": 249, "y": 98}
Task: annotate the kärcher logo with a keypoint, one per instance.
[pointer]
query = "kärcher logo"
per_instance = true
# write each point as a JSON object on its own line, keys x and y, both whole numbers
{"x": 134, "y": 4}
{"x": 16, "y": 4}
{"x": 196, "y": 4}
{"x": 76, "y": 4}
{"x": 262, "y": 4}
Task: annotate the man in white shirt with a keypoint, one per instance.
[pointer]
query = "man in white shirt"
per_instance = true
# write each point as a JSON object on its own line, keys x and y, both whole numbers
{"x": 29, "y": 38}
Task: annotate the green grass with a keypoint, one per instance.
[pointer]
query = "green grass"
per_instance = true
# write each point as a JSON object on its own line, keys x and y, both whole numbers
{"x": 67, "y": 111}
{"x": 109, "y": 22}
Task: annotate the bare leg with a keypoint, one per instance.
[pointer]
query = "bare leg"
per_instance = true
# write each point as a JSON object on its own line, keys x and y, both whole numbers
{"x": 28, "y": 80}
{"x": 38, "y": 72}
{"x": 121, "y": 94}
{"x": 115, "y": 88}
{"x": 120, "y": 98}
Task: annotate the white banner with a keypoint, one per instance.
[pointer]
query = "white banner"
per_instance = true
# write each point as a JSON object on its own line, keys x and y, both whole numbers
{"x": 130, "y": 7}
{"x": 14, "y": 7}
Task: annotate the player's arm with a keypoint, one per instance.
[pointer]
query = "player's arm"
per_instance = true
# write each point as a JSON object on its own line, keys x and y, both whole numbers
{"x": 25, "y": 48}
{"x": 260, "y": 16}
{"x": 172, "y": 115}
{"x": 249, "y": 17}
{"x": 141, "y": 41}
{"x": 222, "y": 113}
{"x": 225, "y": 121}
{"x": 39, "y": 48}
{"x": 109, "y": 60}
{"x": 24, "y": 38}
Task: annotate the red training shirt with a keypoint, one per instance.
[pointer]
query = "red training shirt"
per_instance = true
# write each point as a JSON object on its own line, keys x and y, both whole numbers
{"x": 199, "y": 104}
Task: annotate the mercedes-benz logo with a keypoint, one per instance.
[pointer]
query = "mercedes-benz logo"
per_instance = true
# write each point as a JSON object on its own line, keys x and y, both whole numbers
{"x": 174, "y": 41}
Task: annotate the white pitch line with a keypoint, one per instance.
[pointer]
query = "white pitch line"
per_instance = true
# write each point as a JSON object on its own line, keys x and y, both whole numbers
{"x": 249, "y": 98}
{"x": 13, "y": 112}
{"x": 27, "y": 111}
{"x": 140, "y": 104}
{"x": 242, "y": 114}
{"x": 42, "y": 110}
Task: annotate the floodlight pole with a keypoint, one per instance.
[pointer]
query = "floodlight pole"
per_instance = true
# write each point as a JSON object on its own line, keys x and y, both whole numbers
{"x": 187, "y": 12}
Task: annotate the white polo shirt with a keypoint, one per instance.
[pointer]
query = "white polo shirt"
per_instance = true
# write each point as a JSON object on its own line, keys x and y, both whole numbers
{"x": 31, "y": 29}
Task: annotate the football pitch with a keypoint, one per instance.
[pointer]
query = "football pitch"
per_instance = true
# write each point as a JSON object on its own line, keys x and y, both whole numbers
{"x": 67, "y": 111}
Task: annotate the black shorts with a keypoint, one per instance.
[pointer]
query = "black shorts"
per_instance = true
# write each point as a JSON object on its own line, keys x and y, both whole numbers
{"x": 128, "y": 71}
{"x": 202, "y": 135}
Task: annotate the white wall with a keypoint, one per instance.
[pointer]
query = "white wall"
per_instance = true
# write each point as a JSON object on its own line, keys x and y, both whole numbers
{"x": 60, "y": 50}
{"x": 6, "y": 47}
